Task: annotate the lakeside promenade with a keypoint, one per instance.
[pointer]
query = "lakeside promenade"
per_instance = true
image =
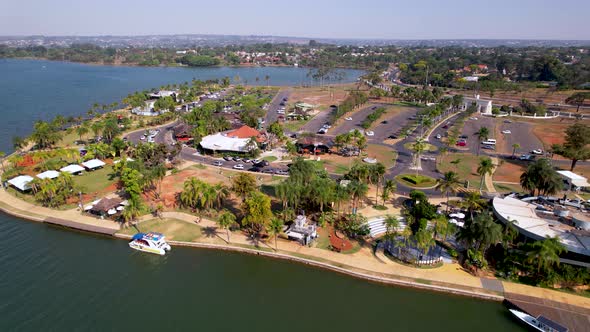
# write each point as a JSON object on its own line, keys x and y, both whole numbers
{"x": 365, "y": 263}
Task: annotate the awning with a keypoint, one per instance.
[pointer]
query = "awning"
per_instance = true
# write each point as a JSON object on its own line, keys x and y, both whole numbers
{"x": 21, "y": 182}
{"x": 93, "y": 163}
{"x": 72, "y": 169}
{"x": 48, "y": 175}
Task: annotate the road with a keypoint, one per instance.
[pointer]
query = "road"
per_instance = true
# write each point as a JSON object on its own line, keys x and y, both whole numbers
{"x": 395, "y": 123}
{"x": 275, "y": 104}
{"x": 317, "y": 121}
{"x": 357, "y": 119}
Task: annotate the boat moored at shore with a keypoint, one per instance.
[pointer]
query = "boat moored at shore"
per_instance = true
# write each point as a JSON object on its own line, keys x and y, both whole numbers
{"x": 540, "y": 323}
{"x": 151, "y": 242}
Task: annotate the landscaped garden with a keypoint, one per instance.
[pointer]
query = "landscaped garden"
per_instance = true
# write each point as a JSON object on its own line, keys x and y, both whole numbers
{"x": 416, "y": 180}
{"x": 175, "y": 230}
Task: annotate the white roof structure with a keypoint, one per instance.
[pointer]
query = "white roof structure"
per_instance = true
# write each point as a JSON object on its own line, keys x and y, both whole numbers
{"x": 51, "y": 174}
{"x": 21, "y": 182}
{"x": 221, "y": 142}
{"x": 119, "y": 160}
{"x": 575, "y": 179}
{"x": 93, "y": 163}
{"x": 528, "y": 223}
{"x": 72, "y": 169}
{"x": 162, "y": 93}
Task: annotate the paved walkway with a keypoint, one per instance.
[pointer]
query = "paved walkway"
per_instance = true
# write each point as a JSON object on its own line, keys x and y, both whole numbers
{"x": 488, "y": 177}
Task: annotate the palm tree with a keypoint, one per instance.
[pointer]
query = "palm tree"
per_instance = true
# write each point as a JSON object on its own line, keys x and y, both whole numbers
{"x": 391, "y": 225}
{"x": 485, "y": 167}
{"x": 545, "y": 253}
{"x": 473, "y": 202}
{"x": 376, "y": 173}
{"x": 358, "y": 190}
{"x": 226, "y": 221}
{"x": 482, "y": 134}
{"x": 448, "y": 184}
{"x": 481, "y": 233}
{"x": 275, "y": 227}
{"x": 267, "y": 79}
{"x": 515, "y": 147}
{"x": 418, "y": 147}
{"x": 388, "y": 187}
{"x": 243, "y": 183}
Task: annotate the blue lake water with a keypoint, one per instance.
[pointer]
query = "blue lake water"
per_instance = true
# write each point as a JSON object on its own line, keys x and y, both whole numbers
{"x": 33, "y": 90}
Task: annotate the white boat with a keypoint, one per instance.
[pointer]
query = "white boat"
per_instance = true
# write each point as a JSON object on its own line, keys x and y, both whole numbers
{"x": 151, "y": 242}
{"x": 540, "y": 323}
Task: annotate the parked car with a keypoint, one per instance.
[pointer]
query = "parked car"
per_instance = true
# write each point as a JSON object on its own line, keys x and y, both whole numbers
{"x": 262, "y": 163}
{"x": 142, "y": 137}
{"x": 384, "y": 122}
{"x": 217, "y": 163}
{"x": 462, "y": 143}
{"x": 438, "y": 136}
{"x": 255, "y": 169}
{"x": 472, "y": 118}
{"x": 488, "y": 147}
{"x": 227, "y": 158}
{"x": 268, "y": 171}
{"x": 348, "y": 118}
{"x": 506, "y": 132}
{"x": 507, "y": 121}
{"x": 370, "y": 133}
{"x": 237, "y": 159}
{"x": 281, "y": 172}
{"x": 526, "y": 157}
{"x": 392, "y": 136}
{"x": 537, "y": 151}
{"x": 238, "y": 166}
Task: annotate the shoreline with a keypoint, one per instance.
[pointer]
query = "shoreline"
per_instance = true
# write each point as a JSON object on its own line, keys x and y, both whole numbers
{"x": 328, "y": 265}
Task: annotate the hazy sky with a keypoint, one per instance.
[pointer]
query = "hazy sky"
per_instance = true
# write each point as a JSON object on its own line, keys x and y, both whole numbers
{"x": 417, "y": 19}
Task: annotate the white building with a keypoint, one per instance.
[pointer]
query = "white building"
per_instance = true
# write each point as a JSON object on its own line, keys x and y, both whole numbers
{"x": 574, "y": 181}
{"x": 483, "y": 106}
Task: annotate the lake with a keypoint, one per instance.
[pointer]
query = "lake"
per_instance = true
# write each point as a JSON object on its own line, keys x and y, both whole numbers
{"x": 56, "y": 279}
{"x": 52, "y": 279}
{"x": 32, "y": 90}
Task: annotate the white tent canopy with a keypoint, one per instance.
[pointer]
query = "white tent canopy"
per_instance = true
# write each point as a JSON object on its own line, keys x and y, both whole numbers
{"x": 93, "y": 164}
{"x": 51, "y": 174}
{"x": 221, "y": 142}
{"x": 21, "y": 182}
{"x": 72, "y": 169}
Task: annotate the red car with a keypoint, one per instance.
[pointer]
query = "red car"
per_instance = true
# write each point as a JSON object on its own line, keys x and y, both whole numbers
{"x": 462, "y": 143}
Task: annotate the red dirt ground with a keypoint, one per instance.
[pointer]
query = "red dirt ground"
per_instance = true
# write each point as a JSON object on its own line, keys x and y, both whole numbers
{"x": 339, "y": 243}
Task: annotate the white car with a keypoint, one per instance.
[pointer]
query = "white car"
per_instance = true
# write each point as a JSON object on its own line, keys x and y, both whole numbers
{"x": 348, "y": 119}
{"x": 438, "y": 136}
{"x": 238, "y": 166}
{"x": 537, "y": 151}
{"x": 150, "y": 140}
{"x": 472, "y": 118}
{"x": 506, "y": 131}
{"x": 142, "y": 137}
{"x": 370, "y": 133}
{"x": 281, "y": 111}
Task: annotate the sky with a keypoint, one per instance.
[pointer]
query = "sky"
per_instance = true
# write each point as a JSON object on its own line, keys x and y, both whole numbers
{"x": 364, "y": 19}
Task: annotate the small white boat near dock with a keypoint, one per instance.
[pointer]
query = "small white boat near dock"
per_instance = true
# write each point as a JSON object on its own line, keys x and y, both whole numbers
{"x": 151, "y": 242}
{"x": 540, "y": 323}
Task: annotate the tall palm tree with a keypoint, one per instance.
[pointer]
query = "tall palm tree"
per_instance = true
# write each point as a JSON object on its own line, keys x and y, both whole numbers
{"x": 376, "y": 173}
{"x": 358, "y": 190}
{"x": 226, "y": 221}
{"x": 388, "y": 187}
{"x": 448, "y": 184}
{"x": 418, "y": 147}
{"x": 391, "y": 225}
{"x": 473, "y": 202}
{"x": 482, "y": 134}
{"x": 486, "y": 167}
{"x": 545, "y": 253}
{"x": 515, "y": 147}
{"x": 274, "y": 228}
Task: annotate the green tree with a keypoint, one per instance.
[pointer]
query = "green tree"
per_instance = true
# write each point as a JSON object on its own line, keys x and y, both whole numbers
{"x": 243, "y": 183}
{"x": 480, "y": 233}
{"x": 389, "y": 187}
{"x": 577, "y": 99}
{"x": 257, "y": 212}
{"x": 541, "y": 177}
{"x": 515, "y": 147}
{"x": 485, "y": 167}
{"x": 45, "y": 135}
{"x": 226, "y": 221}
{"x": 448, "y": 184}
{"x": 274, "y": 228}
{"x": 544, "y": 254}
{"x": 482, "y": 134}
{"x": 82, "y": 130}
{"x": 575, "y": 148}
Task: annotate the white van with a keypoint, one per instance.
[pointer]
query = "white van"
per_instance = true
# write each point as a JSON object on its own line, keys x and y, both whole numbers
{"x": 489, "y": 141}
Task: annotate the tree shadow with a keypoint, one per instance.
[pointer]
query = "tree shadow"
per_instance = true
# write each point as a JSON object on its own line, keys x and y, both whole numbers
{"x": 209, "y": 231}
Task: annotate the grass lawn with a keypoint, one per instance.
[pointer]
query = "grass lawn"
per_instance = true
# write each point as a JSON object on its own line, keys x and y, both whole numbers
{"x": 416, "y": 180}
{"x": 507, "y": 187}
{"x": 295, "y": 125}
{"x": 466, "y": 169}
{"x": 173, "y": 229}
{"x": 96, "y": 181}
{"x": 384, "y": 154}
{"x": 270, "y": 159}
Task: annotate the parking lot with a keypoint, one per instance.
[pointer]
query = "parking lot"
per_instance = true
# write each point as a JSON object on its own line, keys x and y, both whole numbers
{"x": 520, "y": 133}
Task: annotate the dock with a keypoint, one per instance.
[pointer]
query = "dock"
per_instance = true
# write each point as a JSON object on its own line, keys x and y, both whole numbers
{"x": 576, "y": 319}
{"x": 81, "y": 226}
